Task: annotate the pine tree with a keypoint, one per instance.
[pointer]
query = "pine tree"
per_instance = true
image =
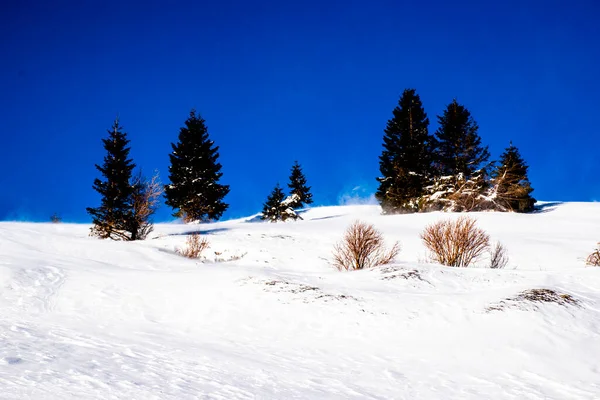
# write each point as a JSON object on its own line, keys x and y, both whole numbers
{"x": 114, "y": 217}
{"x": 278, "y": 207}
{"x": 459, "y": 148}
{"x": 407, "y": 157}
{"x": 511, "y": 184}
{"x": 273, "y": 208}
{"x": 195, "y": 192}
{"x": 298, "y": 187}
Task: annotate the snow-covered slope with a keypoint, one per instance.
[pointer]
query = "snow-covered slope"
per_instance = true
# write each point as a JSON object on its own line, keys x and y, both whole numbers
{"x": 82, "y": 318}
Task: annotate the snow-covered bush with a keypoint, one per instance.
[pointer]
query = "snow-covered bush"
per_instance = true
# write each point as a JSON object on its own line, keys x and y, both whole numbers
{"x": 363, "y": 246}
{"x": 455, "y": 243}
{"x": 195, "y": 244}
{"x": 458, "y": 194}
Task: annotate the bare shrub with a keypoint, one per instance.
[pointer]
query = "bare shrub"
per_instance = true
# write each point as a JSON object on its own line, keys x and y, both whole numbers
{"x": 195, "y": 244}
{"x": 594, "y": 258}
{"x": 146, "y": 196}
{"x": 498, "y": 256}
{"x": 455, "y": 243}
{"x": 362, "y": 247}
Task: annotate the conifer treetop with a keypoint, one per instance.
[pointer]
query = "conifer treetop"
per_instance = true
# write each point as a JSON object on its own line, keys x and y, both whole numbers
{"x": 406, "y": 162}
{"x": 510, "y": 177}
{"x": 459, "y": 144}
{"x": 114, "y": 216}
{"x": 298, "y": 187}
{"x": 195, "y": 192}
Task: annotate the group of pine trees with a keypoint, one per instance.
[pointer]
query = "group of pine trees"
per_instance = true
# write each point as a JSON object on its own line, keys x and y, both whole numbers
{"x": 278, "y": 207}
{"x": 129, "y": 200}
{"x": 448, "y": 170}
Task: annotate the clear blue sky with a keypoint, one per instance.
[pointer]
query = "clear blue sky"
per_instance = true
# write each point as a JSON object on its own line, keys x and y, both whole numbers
{"x": 278, "y": 81}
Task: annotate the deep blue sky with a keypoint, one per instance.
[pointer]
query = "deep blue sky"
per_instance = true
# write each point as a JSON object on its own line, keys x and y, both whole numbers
{"x": 278, "y": 81}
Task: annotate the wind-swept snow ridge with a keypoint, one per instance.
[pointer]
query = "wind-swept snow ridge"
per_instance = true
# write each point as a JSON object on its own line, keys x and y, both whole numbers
{"x": 86, "y": 318}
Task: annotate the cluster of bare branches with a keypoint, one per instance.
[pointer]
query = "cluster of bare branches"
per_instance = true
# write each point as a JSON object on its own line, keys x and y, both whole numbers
{"x": 146, "y": 196}
{"x": 455, "y": 243}
{"x": 195, "y": 244}
{"x": 594, "y": 258}
{"x": 363, "y": 246}
{"x": 498, "y": 256}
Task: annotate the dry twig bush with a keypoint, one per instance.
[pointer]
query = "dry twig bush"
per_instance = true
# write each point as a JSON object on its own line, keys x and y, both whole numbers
{"x": 195, "y": 244}
{"x": 455, "y": 243}
{"x": 362, "y": 247}
{"x": 498, "y": 256}
{"x": 594, "y": 258}
{"x": 146, "y": 197}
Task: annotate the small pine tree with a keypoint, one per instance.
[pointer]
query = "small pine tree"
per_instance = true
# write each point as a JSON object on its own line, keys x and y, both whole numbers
{"x": 407, "y": 157}
{"x": 298, "y": 187}
{"x": 114, "y": 216}
{"x": 277, "y": 207}
{"x": 459, "y": 149}
{"x": 195, "y": 192}
{"x": 511, "y": 185}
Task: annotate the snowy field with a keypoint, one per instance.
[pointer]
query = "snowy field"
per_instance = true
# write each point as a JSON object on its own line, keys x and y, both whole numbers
{"x": 267, "y": 317}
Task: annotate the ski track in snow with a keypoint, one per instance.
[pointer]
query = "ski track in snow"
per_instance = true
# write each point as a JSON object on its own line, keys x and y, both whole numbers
{"x": 84, "y": 318}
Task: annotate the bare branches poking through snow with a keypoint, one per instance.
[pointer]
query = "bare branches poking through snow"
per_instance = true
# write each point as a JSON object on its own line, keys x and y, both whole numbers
{"x": 195, "y": 244}
{"x": 146, "y": 196}
{"x": 362, "y": 247}
{"x": 594, "y": 258}
{"x": 455, "y": 243}
{"x": 498, "y": 257}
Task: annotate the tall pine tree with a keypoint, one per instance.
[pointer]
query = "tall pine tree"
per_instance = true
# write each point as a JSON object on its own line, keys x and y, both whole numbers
{"x": 298, "y": 187}
{"x": 195, "y": 192}
{"x": 114, "y": 218}
{"x": 459, "y": 149}
{"x": 407, "y": 157}
{"x": 511, "y": 185}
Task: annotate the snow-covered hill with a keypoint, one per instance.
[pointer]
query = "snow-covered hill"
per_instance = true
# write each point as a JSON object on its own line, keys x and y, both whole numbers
{"x": 82, "y": 318}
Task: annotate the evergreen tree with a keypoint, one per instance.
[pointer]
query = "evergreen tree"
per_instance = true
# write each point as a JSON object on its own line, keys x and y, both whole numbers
{"x": 512, "y": 186}
{"x": 298, "y": 187}
{"x": 195, "y": 192}
{"x": 278, "y": 207}
{"x": 407, "y": 157}
{"x": 274, "y": 209}
{"x": 114, "y": 216}
{"x": 459, "y": 148}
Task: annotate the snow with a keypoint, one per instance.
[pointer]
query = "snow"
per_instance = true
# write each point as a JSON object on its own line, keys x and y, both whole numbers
{"x": 86, "y": 318}
{"x": 292, "y": 199}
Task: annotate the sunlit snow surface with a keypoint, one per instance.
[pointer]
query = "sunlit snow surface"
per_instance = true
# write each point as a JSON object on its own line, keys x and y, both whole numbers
{"x": 82, "y": 318}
